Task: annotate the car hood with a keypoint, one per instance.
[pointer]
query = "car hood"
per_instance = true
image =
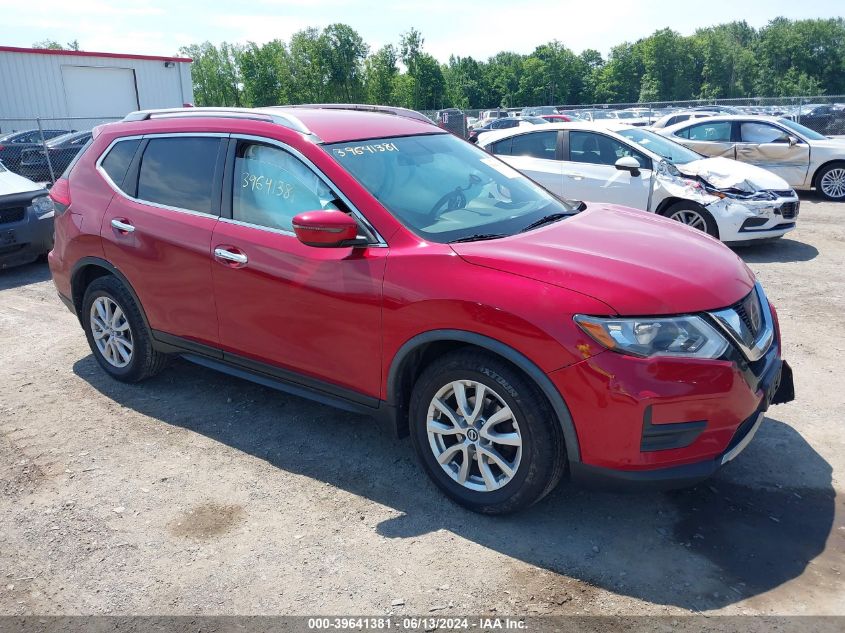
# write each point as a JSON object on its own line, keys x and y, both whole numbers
{"x": 633, "y": 261}
{"x": 835, "y": 144}
{"x": 12, "y": 183}
{"x": 724, "y": 173}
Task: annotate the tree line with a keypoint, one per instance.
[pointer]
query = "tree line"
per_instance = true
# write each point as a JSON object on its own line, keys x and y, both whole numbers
{"x": 334, "y": 64}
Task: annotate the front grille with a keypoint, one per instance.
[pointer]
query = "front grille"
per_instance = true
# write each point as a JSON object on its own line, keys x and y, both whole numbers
{"x": 749, "y": 311}
{"x": 12, "y": 214}
{"x": 788, "y": 210}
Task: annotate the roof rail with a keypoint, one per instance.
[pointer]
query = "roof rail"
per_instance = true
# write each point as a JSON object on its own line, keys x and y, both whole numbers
{"x": 403, "y": 112}
{"x": 279, "y": 118}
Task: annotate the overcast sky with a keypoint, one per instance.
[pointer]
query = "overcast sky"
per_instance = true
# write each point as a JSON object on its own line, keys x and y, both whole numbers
{"x": 476, "y": 28}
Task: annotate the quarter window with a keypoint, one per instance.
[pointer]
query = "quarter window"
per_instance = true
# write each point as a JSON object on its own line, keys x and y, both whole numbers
{"x": 502, "y": 148}
{"x": 754, "y": 132}
{"x": 715, "y": 132}
{"x": 598, "y": 149}
{"x": 116, "y": 163}
{"x": 535, "y": 144}
{"x": 179, "y": 172}
{"x": 271, "y": 186}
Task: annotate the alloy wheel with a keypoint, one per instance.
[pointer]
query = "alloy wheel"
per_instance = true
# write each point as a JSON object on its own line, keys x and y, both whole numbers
{"x": 691, "y": 218}
{"x": 111, "y": 332}
{"x": 474, "y": 435}
{"x": 833, "y": 183}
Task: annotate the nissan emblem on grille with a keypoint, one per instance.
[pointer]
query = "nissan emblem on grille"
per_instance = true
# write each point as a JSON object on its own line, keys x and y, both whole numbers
{"x": 751, "y": 307}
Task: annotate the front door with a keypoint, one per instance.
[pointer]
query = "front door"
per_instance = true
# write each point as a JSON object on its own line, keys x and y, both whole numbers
{"x": 590, "y": 173}
{"x": 309, "y": 313}
{"x": 773, "y": 148}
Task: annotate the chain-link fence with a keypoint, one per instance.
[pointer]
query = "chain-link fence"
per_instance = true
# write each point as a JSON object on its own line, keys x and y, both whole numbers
{"x": 824, "y": 114}
{"x": 41, "y": 149}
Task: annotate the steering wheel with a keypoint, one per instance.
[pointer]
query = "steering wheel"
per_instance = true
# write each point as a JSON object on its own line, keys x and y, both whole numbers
{"x": 454, "y": 199}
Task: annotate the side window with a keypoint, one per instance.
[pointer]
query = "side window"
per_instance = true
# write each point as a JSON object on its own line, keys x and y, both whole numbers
{"x": 270, "y": 187}
{"x": 716, "y": 131}
{"x": 179, "y": 172}
{"x": 502, "y": 148}
{"x": 536, "y": 144}
{"x": 117, "y": 161}
{"x": 598, "y": 149}
{"x": 755, "y": 132}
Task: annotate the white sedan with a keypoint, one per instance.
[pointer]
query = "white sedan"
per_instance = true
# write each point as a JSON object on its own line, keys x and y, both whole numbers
{"x": 631, "y": 166}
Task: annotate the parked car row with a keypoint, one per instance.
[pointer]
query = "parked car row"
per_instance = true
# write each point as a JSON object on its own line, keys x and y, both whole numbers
{"x": 25, "y": 152}
{"x": 370, "y": 260}
{"x": 823, "y": 118}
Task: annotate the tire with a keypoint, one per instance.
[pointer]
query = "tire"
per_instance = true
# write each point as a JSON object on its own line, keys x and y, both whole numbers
{"x": 143, "y": 360}
{"x": 701, "y": 218}
{"x": 830, "y": 182}
{"x": 538, "y": 464}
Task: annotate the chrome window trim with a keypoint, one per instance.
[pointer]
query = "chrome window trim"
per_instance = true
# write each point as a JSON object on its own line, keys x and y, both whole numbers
{"x": 731, "y": 324}
{"x": 157, "y": 205}
{"x": 249, "y": 225}
{"x": 380, "y": 241}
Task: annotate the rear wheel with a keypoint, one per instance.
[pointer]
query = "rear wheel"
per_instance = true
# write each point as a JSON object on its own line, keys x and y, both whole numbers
{"x": 693, "y": 215}
{"x": 831, "y": 182}
{"x": 485, "y": 433}
{"x": 117, "y": 333}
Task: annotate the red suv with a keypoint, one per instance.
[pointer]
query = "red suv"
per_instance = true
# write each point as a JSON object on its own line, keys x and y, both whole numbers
{"x": 364, "y": 257}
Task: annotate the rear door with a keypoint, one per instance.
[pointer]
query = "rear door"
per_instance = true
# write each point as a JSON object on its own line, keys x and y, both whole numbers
{"x": 711, "y": 138}
{"x": 308, "y": 315}
{"x": 769, "y": 146}
{"x": 157, "y": 230}
{"x": 535, "y": 154}
{"x": 590, "y": 173}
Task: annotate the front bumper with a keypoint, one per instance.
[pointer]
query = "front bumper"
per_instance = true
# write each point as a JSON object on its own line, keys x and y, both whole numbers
{"x": 667, "y": 422}
{"x": 23, "y": 239}
{"x": 687, "y": 474}
{"x": 748, "y": 220}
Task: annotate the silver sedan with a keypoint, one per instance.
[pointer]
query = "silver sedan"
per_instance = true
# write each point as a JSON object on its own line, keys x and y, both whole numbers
{"x": 799, "y": 155}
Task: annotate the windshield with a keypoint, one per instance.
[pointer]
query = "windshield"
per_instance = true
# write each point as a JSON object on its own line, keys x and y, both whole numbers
{"x": 806, "y": 132}
{"x": 626, "y": 115}
{"x": 445, "y": 189}
{"x": 603, "y": 115}
{"x": 670, "y": 150}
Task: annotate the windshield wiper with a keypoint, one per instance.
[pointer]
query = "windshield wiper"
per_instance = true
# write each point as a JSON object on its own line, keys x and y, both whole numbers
{"x": 478, "y": 237}
{"x": 546, "y": 219}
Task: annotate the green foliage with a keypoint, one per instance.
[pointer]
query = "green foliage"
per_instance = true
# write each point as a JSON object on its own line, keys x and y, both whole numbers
{"x": 57, "y": 46}
{"x": 784, "y": 58}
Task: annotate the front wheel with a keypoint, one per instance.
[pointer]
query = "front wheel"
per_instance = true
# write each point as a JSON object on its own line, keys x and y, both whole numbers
{"x": 485, "y": 433}
{"x": 831, "y": 182}
{"x": 693, "y": 215}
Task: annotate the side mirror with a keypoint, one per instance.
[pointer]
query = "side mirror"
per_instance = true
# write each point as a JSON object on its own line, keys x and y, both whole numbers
{"x": 628, "y": 163}
{"x": 793, "y": 141}
{"x": 327, "y": 229}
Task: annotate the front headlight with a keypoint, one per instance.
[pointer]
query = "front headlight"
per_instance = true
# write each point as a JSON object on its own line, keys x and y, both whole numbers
{"x": 43, "y": 207}
{"x": 680, "y": 337}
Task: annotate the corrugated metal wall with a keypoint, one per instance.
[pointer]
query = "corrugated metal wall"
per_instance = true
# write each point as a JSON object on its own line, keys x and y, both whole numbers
{"x": 31, "y": 85}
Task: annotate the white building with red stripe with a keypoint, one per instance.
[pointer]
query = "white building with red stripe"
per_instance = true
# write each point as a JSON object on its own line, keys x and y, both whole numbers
{"x": 78, "y": 89}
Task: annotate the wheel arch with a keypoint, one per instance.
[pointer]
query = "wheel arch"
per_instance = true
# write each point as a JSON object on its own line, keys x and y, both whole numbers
{"x": 417, "y": 352}
{"x": 86, "y": 270}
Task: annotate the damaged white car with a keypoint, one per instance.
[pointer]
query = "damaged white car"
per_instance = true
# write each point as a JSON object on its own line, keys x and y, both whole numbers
{"x": 627, "y": 165}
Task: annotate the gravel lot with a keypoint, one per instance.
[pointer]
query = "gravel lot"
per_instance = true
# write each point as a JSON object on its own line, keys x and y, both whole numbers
{"x": 196, "y": 493}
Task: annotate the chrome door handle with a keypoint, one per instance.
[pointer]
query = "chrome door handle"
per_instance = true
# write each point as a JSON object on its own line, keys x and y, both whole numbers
{"x": 576, "y": 176}
{"x": 229, "y": 256}
{"x": 120, "y": 225}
